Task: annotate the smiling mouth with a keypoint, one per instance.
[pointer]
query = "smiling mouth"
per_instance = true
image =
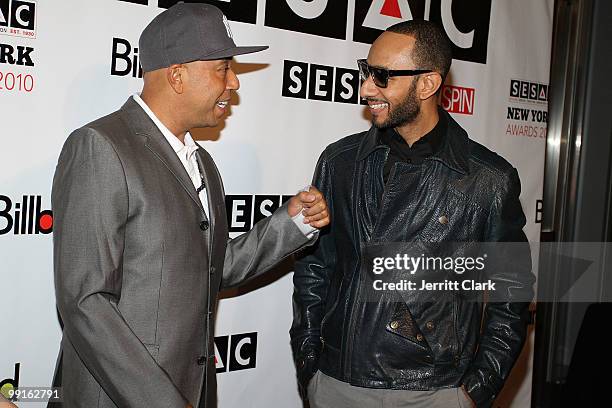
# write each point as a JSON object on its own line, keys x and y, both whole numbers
{"x": 222, "y": 104}
{"x": 377, "y": 105}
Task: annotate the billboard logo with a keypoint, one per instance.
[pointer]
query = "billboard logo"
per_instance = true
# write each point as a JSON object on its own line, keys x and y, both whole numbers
{"x": 25, "y": 217}
{"x": 10, "y": 384}
{"x": 236, "y": 352}
{"x": 456, "y": 99}
{"x": 124, "y": 59}
{"x": 466, "y": 27}
{"x": 18, "y": 18}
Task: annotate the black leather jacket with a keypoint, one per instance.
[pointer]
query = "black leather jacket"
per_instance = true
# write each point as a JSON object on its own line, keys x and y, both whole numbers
{"x": 463, "y": 193}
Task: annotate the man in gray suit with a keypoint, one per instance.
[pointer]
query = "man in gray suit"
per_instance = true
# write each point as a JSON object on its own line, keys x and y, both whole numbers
{"x": 141, "y": 239}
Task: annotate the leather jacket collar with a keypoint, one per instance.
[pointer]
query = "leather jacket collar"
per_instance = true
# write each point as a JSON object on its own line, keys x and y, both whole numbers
{"x": 453, "y": 152}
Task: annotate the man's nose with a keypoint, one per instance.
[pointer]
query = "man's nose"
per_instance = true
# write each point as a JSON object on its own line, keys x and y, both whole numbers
{"x": 232, "y": 80}
{"x": 368, "y": 89}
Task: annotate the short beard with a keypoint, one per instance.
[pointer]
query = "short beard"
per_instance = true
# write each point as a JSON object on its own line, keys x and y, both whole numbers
{"x": 406, "y": 111}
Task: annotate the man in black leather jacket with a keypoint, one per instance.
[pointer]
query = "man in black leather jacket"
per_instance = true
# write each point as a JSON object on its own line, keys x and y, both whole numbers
{"x": 414, "y": 178}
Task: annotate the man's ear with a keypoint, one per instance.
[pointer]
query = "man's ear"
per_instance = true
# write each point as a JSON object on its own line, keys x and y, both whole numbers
{"x": 175, "y": 77}
{"x": 429, "y": 85}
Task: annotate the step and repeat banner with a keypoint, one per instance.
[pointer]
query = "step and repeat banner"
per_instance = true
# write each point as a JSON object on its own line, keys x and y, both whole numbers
{"x": 65, "y": 63}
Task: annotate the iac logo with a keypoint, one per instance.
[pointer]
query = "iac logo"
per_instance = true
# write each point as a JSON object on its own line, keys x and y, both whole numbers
{"x": 18, "y": 18}
{"x": 236, "y": 352}
{"x": 9, "y": 384}
{"x": 320, "y": 82}
{"x": 466, "y": 27}
{"x": 25, "y": 217}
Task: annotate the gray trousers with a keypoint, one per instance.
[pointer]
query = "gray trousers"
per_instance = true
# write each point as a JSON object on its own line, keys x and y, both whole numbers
{"x": 327, "y": 392}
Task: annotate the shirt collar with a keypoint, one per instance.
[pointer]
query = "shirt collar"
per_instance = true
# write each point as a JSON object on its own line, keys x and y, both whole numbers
{"x": 190, "y": 145}
{"x": 426, "y": 146}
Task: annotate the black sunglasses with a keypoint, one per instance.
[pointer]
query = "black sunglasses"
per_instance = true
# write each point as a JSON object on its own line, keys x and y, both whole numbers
{"x": 381, "y": 76}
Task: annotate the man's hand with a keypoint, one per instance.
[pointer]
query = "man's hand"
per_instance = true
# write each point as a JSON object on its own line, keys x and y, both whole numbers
{"x": 313, "y": 206}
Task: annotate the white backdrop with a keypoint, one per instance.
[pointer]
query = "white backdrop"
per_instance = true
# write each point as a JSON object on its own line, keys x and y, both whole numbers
{"x": 56, "y": 74}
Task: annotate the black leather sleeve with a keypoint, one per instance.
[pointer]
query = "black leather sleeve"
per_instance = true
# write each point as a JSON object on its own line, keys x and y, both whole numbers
{"x": 505, "y": 321}
{"x": 311, "y": 279}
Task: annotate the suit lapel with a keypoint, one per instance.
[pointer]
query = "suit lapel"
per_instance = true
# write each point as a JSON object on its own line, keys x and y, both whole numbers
{"x": 216, "y": 196}
{"x": 141, "y": 124}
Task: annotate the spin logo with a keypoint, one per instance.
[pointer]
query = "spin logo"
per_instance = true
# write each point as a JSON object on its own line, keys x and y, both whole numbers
{"x": 18, "y": 18}
{"x": 26, "y": 217}
{"x": 457, "y": 99}
{"x": 236, "y": 352}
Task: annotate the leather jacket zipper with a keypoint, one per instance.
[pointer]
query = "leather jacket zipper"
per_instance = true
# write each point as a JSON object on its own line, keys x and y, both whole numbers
{"x": 352, "y": 322}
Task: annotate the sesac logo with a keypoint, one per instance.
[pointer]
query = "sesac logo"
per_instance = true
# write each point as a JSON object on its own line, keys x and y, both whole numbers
{"x": 9, "y": 384}
{"x": 526, "y": 91}
{"x": 124, "y": 59}
{"x": 236, "y": 352}
{"x": 456, "y": 99}
{"x": 25, "y": 217}
{"x": 244, "y": 211}
{"x": 467, "y": 27}
{"x": 320, "y": 82}
{"x": 18, "y": 18}
{"x": 527, "y": 110}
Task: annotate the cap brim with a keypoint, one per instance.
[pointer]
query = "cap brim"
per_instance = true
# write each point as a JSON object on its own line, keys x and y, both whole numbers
{"x": 230, "y": 52}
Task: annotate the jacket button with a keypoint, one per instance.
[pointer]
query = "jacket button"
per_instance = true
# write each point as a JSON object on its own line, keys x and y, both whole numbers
{"x": 430, "y": 325}
{"x": 419, "y": 337}
{"x": 204, "y": 225}
{"x": 394, "y": 324}
{"x": 212, "y": 270}
{"x": 443, "y": 220}
{"x": 201, "y": 360}
{"x": 300, "y": 363}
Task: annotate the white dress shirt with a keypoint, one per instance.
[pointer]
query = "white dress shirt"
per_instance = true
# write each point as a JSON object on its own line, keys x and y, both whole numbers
{"x": 186, "y": 154}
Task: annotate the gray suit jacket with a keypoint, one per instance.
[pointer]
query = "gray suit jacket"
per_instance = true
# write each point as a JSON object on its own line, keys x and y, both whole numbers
{"x": 138, "y": 266}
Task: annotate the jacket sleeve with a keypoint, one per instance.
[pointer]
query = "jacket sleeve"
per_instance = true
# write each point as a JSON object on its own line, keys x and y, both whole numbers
{"x": 90, "y": 204}
{"x": 311, "y": 280}
{"x": 506, "y": 315}
{"x": 269, "y": 242}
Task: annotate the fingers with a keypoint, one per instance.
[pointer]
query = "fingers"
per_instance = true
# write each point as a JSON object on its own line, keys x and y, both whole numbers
{"x": 323, "y": 222}
{"x": 309, "y": 198}
{"x": 316, "y": 208}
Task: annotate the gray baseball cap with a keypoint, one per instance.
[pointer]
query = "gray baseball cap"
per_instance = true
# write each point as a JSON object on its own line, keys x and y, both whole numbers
{"x": 188, "y": 32}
